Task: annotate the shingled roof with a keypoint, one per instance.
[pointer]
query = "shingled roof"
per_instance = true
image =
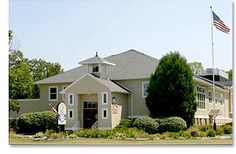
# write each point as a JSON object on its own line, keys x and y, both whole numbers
{"x": 96, "y": 60}
{"x": 130, "y": 64}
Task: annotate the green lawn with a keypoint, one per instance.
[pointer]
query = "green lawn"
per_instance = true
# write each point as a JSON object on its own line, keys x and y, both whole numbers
{"x": 21, "y": 139}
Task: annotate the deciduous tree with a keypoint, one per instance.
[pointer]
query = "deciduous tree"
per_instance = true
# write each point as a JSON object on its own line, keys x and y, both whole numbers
{"x": 41, "y": 69}
{"x": 230, "y": 74}
{"x": 196, "y": 67}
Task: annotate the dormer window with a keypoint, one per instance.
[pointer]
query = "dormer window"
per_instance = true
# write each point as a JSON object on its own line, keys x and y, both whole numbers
{"x": 95, "y": 69}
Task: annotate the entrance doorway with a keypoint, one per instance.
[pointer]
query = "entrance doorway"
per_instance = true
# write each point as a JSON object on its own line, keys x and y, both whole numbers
{"x": 90, "y": 113}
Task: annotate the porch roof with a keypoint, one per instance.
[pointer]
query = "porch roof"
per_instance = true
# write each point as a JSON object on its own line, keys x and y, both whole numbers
{"x": 105, "y": 82}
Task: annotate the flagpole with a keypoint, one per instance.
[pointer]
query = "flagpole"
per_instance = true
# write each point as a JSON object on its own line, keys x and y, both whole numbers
{"x": 213, "y": 70}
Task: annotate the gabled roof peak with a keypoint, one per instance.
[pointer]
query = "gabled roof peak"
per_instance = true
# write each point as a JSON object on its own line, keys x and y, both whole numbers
{"x": 96, "y": 60}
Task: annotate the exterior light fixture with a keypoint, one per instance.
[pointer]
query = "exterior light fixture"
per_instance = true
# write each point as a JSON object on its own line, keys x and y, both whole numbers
{"x": 113, "y": 100}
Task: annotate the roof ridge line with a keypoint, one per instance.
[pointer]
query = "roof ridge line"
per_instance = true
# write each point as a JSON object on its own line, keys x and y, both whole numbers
{"x": 138, "y": 52}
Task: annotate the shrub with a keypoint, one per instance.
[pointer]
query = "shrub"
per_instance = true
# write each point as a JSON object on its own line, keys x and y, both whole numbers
{"x": 211, "y": 133}
{"x": 59, "y": 135}
{"x": 229, "y": 123}
{"x": 39, "y": 135}
{"x": 205, "y": 128}
{"x": 48, "y": 133}
{"x": 37, "y": 122}
{"x": 185, "y": 134}
{"x": 164, "y": 135}
{"x": 173, "y": 135}
{"x": 227, "y": 129}
{"x": 93, "y": 133}
{"x": 146, "y": 124}
{"x": 125, "y": 123}
{"x": 115, "y": 133}
{"x": 219, "y": 130}
{"x": 13, "y": 123}
{"x": 133, "y": 133}
{"x": 72, "y": 136}
{"x": 171, "y": 124}
{"x": 202, "y": 134}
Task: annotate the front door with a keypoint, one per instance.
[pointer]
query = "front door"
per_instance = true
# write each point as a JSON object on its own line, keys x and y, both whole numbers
{"x": 90, "y": 113}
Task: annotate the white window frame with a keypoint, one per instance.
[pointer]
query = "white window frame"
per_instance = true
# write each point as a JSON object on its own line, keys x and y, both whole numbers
{"x": 105, "y": 93}
{"x": 73, "y": 98}
{"x": 210, "y": 96}
{"x": 73, "y": 113}
{"x": 143, "y": 93}
{"x": 49, "y": 94}
{"x": 221, "y": 99}
{"x": 201, "y": 102}
{"x": 104, "y": 109}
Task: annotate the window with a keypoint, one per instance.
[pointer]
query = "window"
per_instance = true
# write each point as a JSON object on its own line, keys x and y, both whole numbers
{"x": 210, "y": 96}
{"x": 95, "y": 68}
{"x": 200, "y": 98}
{"x": 104, "y": 97}
{"x": 70, "y": 114}
{"x": 90, "y": 105}
{"x": 144, "y": 88}
{"x": 52, "y": 93}
{"x": 221, "y": 99}
{"x": 71, "y": 99}
{"x": 104, "y": 113}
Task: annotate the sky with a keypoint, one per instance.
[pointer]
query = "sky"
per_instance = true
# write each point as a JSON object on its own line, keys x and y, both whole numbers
{"x": 69, "y": 31}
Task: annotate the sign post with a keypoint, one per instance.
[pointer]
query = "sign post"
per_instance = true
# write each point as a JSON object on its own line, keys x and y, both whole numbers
{"x": 61, "y": 116}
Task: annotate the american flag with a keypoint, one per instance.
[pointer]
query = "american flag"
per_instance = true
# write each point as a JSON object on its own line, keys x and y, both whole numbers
{"x": 219, "y": 24}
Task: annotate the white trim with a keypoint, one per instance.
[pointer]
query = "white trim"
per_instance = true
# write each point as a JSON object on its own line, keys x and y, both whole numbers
{"x": 106, "y": 93}
{"x": 73, "y": 113}
{"x": 200, "y": 101}
{"x": 201, "y": 116}
{"x": 97, "y": 62}
{"x": 73, "y": 99}
{"x": 144, "y": 82}
{"x": 104, "y": 109}
{"x": 198, "y": 109}
{"x": 50, "y": 93}
{"x": 210, "y": 91}
{"x": 223, "y": 118}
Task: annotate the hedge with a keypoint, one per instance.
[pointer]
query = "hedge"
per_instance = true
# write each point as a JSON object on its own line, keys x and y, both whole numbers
{"x": 146, "y": 124}
{"x": 13, "y": 123}
{"x": 37, "y": 122}
{"x": 125, "y": 123}
{"x": 227, "y": 129}
{"x": 171, "y": 124}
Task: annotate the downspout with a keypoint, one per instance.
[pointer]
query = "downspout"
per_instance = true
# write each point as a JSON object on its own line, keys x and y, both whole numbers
{"x": 132, "y": 105}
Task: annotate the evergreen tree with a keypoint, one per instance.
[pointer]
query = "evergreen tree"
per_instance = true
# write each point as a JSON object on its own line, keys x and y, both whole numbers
{"x": 171, "y": 89}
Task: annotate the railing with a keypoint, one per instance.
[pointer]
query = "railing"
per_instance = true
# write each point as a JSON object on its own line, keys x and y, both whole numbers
{"x": 76, "y": 126}
{"x": 95, "y": 125}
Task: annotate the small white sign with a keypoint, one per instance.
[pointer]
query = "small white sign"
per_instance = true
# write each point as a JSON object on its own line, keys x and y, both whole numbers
{"x": 61, "y": 114}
